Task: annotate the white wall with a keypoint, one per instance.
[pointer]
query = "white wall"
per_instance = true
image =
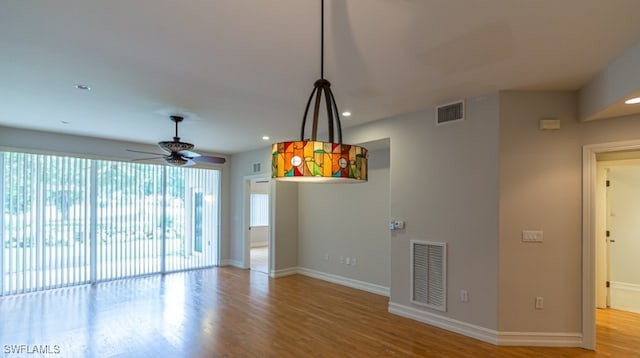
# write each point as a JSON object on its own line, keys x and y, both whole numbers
{"x": 348, "y": 220}
{"x": 259, "y": 236}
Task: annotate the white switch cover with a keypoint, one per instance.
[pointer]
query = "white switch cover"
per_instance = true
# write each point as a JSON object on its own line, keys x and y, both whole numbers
{"x": 464, "y": 296}
{"x": 532, "y": 236}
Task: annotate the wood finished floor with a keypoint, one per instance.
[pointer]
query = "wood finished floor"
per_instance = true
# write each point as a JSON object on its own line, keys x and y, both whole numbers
{"x": 226, "y": 312}
{"x": 260, "y": 259}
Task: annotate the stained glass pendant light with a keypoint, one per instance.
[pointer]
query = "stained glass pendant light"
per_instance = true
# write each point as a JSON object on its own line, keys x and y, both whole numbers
{"x": 310, "y": 160}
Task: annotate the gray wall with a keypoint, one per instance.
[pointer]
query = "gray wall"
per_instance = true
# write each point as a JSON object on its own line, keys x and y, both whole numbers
{"x": 611, "y": 85}
{"x": 285, "y": 225}
{"x": 241, "y": 165}
{"x": 444, "y": 184}
{"x": 284, "y": 210}
{"x": 348, "y": 220}
{"x": 541, "y": 189}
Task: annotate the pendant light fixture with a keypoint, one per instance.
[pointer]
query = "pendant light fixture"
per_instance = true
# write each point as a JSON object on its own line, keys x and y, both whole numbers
{"x": 310, "y": 160}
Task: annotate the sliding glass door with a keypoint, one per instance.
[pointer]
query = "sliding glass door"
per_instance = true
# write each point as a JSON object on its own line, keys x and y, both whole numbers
{"x": 193, "y": 200}
{"x": 45, "y": 222}
{"x": 68, "y": 221}
{"x": 129, "y": 205}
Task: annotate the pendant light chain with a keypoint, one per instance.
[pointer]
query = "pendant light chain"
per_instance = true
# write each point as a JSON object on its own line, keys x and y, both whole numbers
{"x": 322, "y": 40}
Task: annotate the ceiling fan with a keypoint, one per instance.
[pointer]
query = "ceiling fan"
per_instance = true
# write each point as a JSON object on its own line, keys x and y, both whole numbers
{"x": 179, "y": 153}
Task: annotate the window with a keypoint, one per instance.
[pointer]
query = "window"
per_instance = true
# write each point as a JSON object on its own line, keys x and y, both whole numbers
{"x": 259, "y": 212}
{"x": 67, "y": 221}
{"x": 197, "y": 222}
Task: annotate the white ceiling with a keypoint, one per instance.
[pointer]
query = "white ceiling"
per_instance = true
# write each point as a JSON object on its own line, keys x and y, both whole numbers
{"x": 241, "y": 69}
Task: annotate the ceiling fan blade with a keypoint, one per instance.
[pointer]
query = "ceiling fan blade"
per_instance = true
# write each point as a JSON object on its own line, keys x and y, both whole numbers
{"x": 208, "y": 159}
{"x": 188, "y": 153}
{"x": 139, "y": 151}
{"x": 152, "y": 158}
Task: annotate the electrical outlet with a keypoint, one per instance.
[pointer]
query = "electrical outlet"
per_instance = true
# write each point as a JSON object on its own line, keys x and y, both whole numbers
{"x": 348, "y": 261}
{"x": 464, "y": 296}
{"x": 539, "y": 303}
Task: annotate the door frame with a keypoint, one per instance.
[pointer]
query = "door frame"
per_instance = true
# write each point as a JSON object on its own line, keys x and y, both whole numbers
{"x": 589, "y": 178}
{"x": 246, "y": 206}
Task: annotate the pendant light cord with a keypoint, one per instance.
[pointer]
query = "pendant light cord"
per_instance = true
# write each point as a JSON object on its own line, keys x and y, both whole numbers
{"x": 322, "y": 40}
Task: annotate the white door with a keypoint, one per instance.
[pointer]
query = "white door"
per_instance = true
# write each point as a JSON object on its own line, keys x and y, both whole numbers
{"x": 623, "y": 244}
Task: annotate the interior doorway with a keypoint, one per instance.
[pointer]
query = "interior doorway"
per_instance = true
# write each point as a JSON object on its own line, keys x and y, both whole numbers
{"x": 618, "y": 235}
{"x": 594, "y": 241}
{"x": 259, "y": 224}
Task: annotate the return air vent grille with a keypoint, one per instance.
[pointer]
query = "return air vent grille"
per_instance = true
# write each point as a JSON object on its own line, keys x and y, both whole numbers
{"x": 451, "y": 112}
{"x": 429, "y": 274}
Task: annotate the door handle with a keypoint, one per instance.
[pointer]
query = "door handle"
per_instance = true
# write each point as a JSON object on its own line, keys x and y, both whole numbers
{"x": 612, "y": 240}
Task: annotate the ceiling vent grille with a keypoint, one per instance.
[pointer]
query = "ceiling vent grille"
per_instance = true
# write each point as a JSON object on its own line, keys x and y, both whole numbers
{"x": 429, "y": 274}
{"x": 451, "y": 112}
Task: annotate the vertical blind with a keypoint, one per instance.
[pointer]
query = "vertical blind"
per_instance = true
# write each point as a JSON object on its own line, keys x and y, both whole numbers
{"x": 259, "y": 210}
{"x": 68, "y": 221}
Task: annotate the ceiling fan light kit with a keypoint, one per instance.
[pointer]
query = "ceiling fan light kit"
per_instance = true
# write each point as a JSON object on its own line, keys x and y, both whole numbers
{"x": 310, "y": 160}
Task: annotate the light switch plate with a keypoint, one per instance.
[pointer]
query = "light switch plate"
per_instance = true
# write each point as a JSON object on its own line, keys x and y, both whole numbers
{"x": 532, "y": 236}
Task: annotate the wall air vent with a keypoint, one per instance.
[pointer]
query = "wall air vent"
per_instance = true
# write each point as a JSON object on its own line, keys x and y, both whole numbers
{"x": 256, "y": 167}
{"x": 451, "y": 112}
{"x": 429, "y": 274}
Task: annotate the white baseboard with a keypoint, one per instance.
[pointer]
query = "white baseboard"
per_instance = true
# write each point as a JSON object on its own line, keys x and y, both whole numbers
{"x": 344, "y": 281}
{"x": 544, "y": 339}
{"x": 284, "y": 272}
{"x": 234, "y": 263}
{"x": 541, "y": 339}
{"x": 625, "y": 296}
{"x": 467, "y": 329}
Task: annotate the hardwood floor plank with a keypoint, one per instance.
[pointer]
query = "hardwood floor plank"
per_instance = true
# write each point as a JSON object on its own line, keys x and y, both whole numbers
{"x": 227, "y": 312}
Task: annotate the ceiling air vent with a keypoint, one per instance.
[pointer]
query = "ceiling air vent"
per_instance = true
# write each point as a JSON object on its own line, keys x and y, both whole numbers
{"x": 451, "y": 112}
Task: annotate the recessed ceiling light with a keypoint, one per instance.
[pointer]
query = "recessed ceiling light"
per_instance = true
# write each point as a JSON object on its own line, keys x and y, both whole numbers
{"x": 83, "y": 87}
{"x": 633, "y": 101}
{"x": 265, "y": 137}
{"x": 346, "y": 114}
